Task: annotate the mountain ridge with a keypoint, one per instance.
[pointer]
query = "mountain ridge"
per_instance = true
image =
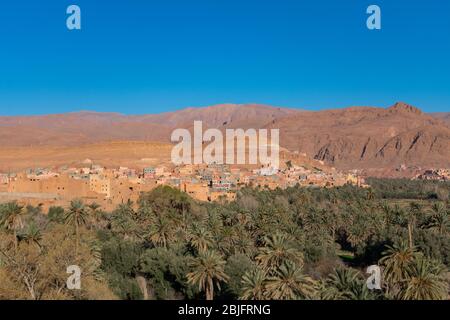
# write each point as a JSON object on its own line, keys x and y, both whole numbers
{"x": 348, "y": 138}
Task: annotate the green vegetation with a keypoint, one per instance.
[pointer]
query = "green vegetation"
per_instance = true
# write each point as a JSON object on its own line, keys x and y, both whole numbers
{"x": 298, "y": 243}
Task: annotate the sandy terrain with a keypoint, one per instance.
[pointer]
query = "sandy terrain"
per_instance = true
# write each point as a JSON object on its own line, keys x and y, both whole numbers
{"x": 109, "y": 154}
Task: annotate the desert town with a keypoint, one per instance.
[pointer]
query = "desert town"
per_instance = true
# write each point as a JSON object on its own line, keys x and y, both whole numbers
{"x": 110, "y": 187}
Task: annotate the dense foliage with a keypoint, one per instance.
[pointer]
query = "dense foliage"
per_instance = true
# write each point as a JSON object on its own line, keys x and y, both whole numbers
{"x": 298, "y": 243}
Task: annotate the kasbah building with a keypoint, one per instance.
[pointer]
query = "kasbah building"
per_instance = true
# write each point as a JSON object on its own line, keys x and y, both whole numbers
{"x": 59, "y": 190}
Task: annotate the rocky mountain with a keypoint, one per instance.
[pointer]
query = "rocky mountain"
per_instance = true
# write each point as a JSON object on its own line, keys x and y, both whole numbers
{"x": 91, "y": 127}
{"x": 369, "y": 138}
{"x": 221, "y": 116}
{"x": 76, "y": 128}
{"x": 350, "y": 138}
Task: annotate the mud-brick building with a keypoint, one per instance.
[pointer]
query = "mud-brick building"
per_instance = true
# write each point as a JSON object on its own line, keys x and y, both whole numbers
{"x": 100, "y": 184}
{"x": 123, "y": 190}
{"x": 196, "y": 190}
{"x": 63, "y": 186}
{"x": 4, "y": 178}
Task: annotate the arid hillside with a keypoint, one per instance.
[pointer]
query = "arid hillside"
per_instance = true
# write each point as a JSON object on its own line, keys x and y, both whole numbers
{"x": 137, "y": 154}
{"x": 351, "y": 138}
{"x": 369, "y": 138}
{"x": 91, "y": 127}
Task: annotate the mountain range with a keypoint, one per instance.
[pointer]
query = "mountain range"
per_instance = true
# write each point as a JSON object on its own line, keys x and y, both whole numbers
{"x": 350, "y": 138}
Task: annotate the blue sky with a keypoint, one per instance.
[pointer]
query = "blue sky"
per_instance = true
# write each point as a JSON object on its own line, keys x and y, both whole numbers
{"x": 147, "y": 56}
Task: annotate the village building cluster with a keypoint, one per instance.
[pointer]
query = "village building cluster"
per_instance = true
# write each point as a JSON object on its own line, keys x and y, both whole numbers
{"x": 434, "y": 174}
{"x": 111, "y": 187}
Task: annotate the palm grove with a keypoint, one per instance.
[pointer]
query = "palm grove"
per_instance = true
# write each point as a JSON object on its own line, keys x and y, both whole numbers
{"x": 298, "y": 243}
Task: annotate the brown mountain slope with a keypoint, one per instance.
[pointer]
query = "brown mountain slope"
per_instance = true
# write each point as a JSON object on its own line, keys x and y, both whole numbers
{"x": 221, "y": 116}
{"x": 137, "y": 154}
{"x": 367, "y": 138}
{"x": 76, "y": 128}
{"x": 351, "y": 138}
{"x": 92, "y": 127}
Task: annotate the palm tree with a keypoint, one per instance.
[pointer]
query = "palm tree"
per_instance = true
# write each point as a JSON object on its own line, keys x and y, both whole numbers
{"x": 398, "y": 260}
{"x": 76, "y": 215}
{"x": 278, "y": 249}
{"x": 343, "y": 278}
{"x": 95, "y": 214}
{"x": 399, "y": 216}
{"x": 439, "y": 219}
{"x": 124, "y": 223}
{"x": 161, "y": 231}
{"x": 370, "y": 194}
{"x": 360, "y": 291}
{"x": 32, "y": 235}
{"x": 227, "y": 239}
{"x": 101, "y": 219}
{"x": 388, "y": 213}
{"x": 289, "y": 283}
{"x": 244, "y": 244}
{"x": 358, "y": 231}
{"x": 344, "y": 284}
{"x": 11, "y": 218}
{"x": 325, "y": 291}
{"x": 253, "y": 285}
{"x": 94, "y": 206}
{"x": 426, "y": 281}
{"x": 413, "y": 214}
{"x": 208, "y": 272}
{"x": 200, "y": 238}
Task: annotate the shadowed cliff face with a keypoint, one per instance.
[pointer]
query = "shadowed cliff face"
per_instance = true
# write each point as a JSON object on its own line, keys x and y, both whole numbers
{"x": 369, "y": 137}
{"x": 351, "y": 138}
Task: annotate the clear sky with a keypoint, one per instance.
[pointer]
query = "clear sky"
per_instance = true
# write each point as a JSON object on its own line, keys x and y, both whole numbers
{"x": 147, "y": 56}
